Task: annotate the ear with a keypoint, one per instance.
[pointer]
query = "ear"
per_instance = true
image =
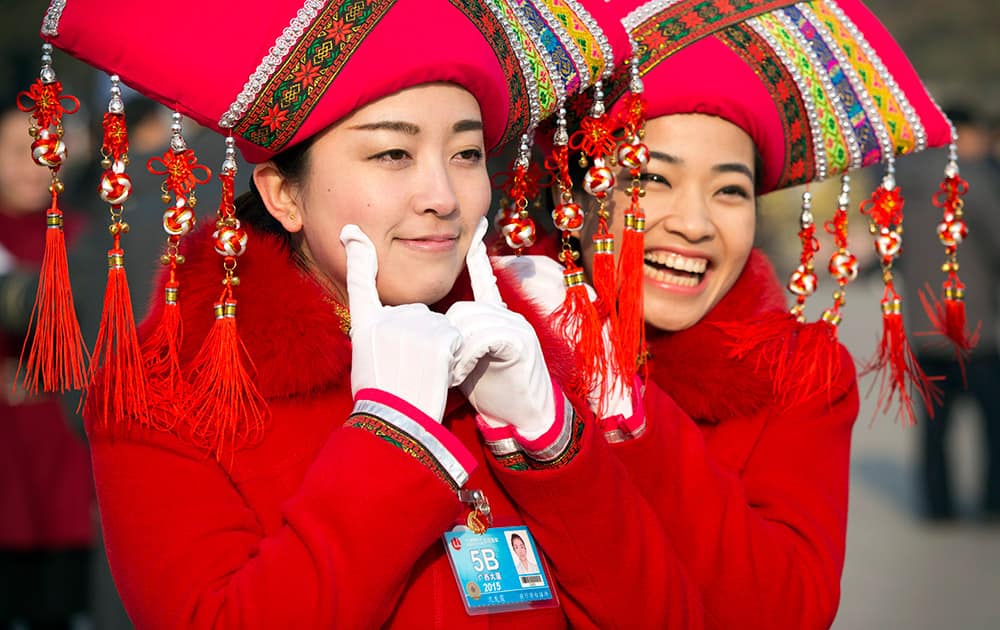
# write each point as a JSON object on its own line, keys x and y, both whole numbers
{"x": 280, "y": 196}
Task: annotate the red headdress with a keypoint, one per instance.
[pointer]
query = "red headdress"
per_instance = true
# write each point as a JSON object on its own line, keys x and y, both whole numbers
{"x": 821, "y": 88}
{"x": 268, "y": 79}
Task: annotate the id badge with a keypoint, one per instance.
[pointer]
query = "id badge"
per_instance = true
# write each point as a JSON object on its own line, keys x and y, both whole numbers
{"x": 499, "y": 570}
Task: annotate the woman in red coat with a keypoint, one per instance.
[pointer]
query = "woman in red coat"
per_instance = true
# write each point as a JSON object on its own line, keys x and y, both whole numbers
{"x": 741, "y": 440}
{"x": 317, "y": 492}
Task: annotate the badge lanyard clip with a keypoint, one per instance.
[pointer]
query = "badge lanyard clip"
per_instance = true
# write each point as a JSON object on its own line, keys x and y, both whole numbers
{"x": 480, "y": 517}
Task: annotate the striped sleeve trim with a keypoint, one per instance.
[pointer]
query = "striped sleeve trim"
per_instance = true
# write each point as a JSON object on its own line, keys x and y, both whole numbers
{"x": 551, "y": 444}
{"x": 556, "y": 448}
{"x": 621, "y": 429}
{"x": 399, "y": 423}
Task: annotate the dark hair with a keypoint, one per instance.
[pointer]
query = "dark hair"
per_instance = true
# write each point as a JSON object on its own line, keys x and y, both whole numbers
{"x": 250, "y": 208}
{"x": 513, "y": 536}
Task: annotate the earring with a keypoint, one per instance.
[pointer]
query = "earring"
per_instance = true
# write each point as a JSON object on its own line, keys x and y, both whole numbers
{"x": 291, "y": 215}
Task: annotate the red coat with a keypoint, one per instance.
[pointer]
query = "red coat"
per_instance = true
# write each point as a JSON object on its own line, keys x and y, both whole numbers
{"x": 322, "y": 525}
{"x": 748, "y": 473}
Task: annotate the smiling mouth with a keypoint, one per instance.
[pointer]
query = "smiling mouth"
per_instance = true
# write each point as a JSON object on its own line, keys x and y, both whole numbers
{"x": 672, "y": 268}
{"x": 431, "y": 243}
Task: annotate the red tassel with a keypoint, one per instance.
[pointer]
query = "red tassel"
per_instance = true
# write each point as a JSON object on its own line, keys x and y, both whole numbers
{"x": 117, "y": 397}
{"x": 948, "y": 319}
{"x": 579, "y": 321}
{"x": 800, "y": 358}
{"x": 898, "y": 368}
{"x": 56, "y": 360}
{"x": 577, "y": 317}
{"x": 118, "y": 391}
{"x": 631, "y": 318}
{"x": 605, "y": 281}
{"x": 895, "y": 363}
{"x": 228, "y": 411}
{"x": 161, "y": 361}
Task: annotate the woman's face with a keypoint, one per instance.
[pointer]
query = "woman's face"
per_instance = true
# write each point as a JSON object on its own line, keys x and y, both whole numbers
{"x": 700, "y": 215}
{"x": 519, "y": 548}
{"x": 23, "y": 184}
{"x": 410, "y": 171}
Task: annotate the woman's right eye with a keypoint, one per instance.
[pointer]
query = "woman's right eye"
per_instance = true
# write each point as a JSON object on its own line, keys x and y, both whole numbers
{"x": 654, "y": 178}
{"x": 392, "y": 155}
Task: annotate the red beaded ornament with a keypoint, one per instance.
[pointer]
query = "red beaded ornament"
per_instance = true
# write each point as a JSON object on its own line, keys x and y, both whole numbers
{"x": 118, "y": 384}
{"x": 53, "y": 356}
{"x": 520, "y": 185}
{"x": 229, "y": 410}
{"x": 947, "y": 314}
{"x": 894, "y": 361}
{"x": 843, "y": 264}
{"x": 802, "y": 282}
{"x": 161, "y": 350}
{"x": 576, "y": 318}
{"x": 596, "y": 144}
{"x": 633, "y": 154}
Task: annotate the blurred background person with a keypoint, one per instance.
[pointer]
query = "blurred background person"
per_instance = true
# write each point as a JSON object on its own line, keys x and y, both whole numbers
{"x": 979, "y": 258}
{"x": 46, "y": 526}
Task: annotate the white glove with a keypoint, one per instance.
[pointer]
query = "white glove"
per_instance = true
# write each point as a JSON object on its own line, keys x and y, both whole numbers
{"x": 541, "y": 279}
{"x": 408, "y": 350}
{"x": 500, "y": 368}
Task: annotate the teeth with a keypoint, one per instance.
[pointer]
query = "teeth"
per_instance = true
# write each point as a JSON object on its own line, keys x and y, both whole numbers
{"x": 678, "y": 262}
{"x": 669, "y": 278}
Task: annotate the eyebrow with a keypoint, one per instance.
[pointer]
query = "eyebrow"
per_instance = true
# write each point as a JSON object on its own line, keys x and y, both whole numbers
{"x": 410, "y": 129}
{"x": 726, "y": 167}
{"x": 390, "y": 125}
{"x": 468, "y": 124}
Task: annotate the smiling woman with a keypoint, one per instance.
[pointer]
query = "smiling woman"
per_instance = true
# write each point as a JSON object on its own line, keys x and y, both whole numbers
{"x": 732, "y": 414}
{"x": 700, "y": 216}
{"x": 410, "y": 170}
{"x": 314, "y": 489}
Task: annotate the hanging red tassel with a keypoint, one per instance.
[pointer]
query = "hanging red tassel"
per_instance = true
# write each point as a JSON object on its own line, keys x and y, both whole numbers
{"x": 595, "y": 140}
{"x": 803, "y": 281}
{"x": 798, "y": 358}
{"x": 948, "y": 315}
{"x": 633, "y": 154}
{"x": 161, "y": 361}
{"x": 227, "y": 410}
{"x": 161, "y": 350}
{"x": 118, "y": 385}
{"x": 843, "y": 265}
{"x": 898, "y": 368}
{"x": 57, "y": 357}
{"x": 576, "y": 318}
{"x": 522, "y": 184}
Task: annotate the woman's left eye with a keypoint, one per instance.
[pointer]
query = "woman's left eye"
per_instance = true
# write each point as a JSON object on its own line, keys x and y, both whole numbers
{"x": 392, "y": 155}
{"x": 470, "y": 155}
{"x": 737, "y": 191}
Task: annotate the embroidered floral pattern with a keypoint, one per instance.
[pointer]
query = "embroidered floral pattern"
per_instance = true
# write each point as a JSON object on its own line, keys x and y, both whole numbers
{"x": 291, "y": 85}
{"x": 401, "y": 440}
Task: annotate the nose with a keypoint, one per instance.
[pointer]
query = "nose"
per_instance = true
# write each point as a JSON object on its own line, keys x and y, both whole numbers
{"x": 687, "y": 214}
{"x": 435, "y": 190}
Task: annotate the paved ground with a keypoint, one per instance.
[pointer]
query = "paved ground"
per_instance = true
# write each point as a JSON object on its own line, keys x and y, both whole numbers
{"x": 901, "y": 572}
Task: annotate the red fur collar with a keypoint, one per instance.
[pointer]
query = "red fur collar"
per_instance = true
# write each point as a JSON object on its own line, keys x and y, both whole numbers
{"x": 748, "y": 352}
{"x": 288, "y": 322}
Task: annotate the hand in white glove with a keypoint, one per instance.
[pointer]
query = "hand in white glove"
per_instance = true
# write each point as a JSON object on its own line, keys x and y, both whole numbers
{"x": 541, "y": 279}
{"x": 501, "y": 368}
{"x": 408, "y": 350}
